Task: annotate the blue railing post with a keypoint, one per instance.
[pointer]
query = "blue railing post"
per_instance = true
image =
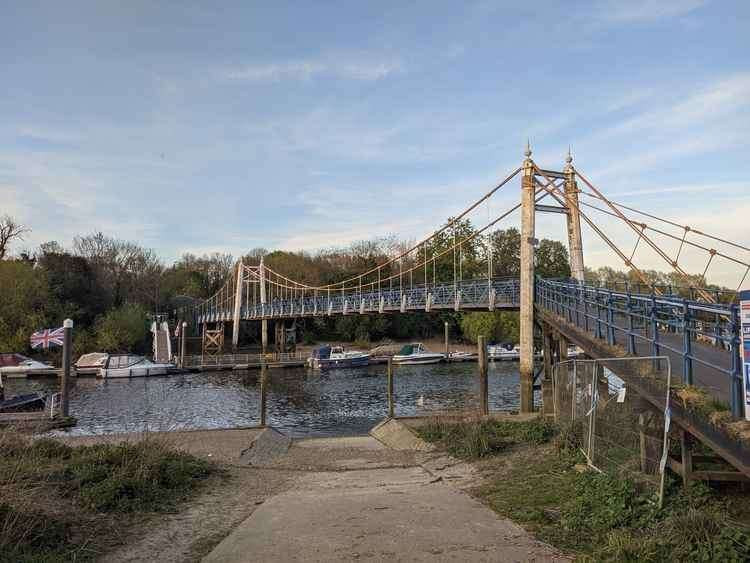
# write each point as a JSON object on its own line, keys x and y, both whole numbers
{"x": 654, "y": 328}
{"x": 610, "y": 321}
{"x": 631, "y": 335}
{"x": 585, "y": 293}
{"x": 687, "y": 346}
{"x": 736, "y": 375}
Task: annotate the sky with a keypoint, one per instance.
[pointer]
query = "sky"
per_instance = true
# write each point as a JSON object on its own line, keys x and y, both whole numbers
{"x": 225, "y": 126}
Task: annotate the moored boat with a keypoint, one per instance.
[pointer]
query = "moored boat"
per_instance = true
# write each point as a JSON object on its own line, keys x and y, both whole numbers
{"x": 91, "y": 363}
{"x": 327, "y": 357}
{"x": 130, "y": 365}
{"x": 29, "y": 402}
{"x": 504, "y": 352}
{"x": 462, "y": 356}
{"x": 17, "y": 365}
{"x": 415, "y": 353}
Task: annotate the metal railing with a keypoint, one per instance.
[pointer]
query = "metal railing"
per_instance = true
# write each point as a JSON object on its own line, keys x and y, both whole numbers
{"x": 701, "y": 339}
{"x": 230, "y": 360}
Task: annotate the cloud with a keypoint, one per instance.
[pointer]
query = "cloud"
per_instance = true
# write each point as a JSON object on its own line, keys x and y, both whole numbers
{"x": 364, "y": 70}
{"x": 645, "y": 11}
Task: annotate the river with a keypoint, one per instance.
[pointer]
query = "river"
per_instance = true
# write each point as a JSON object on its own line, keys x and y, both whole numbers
{"x": 301, "y": 402}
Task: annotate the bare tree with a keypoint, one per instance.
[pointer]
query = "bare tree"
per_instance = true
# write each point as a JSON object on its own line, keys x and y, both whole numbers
{"x": 9, "y": 230}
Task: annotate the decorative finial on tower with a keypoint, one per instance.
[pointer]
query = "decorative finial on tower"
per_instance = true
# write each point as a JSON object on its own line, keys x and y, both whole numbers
{"x": 527, "y": 152}
{"x": 568, "y": 161}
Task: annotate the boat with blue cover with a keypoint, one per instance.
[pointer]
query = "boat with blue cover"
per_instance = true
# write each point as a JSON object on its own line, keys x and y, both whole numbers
{"x": 328, "y": 357}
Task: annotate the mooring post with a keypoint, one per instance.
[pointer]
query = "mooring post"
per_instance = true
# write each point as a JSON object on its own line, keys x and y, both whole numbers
{"x": 263, "y": 393}
{"x": 391, "y": 405}
{"x": 447, "y": 354}
{"x": 484, "y": 403}
{"x": 183, "y": 338}
{"x": 66, "y": 361}
{"x": 526, "y": 309}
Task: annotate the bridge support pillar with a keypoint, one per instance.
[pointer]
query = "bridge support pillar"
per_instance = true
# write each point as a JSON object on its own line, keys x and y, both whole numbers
{"x": 575, "y": 243}
{"x": 526, "y": 310}
{"x": 264, "y": 321}
{"x": 237, "y": 308}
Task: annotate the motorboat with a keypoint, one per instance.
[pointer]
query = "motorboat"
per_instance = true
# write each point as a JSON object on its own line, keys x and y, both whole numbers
{"x": 462, "y": 356}
{"x": 504, "y": 352}
{"x": 91, "y": 363}
{"x": 129, "y": 365}
{"x": 17, "y": 365}
{"x": 327, "y": 357}
{"x": 29, "y": 402}
{"x": 415, "y": 353}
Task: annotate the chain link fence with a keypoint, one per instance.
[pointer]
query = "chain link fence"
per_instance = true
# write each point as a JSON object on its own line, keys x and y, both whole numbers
{"x": 621, "y": 432}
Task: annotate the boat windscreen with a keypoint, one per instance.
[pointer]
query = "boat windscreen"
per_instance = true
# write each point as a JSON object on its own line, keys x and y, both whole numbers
{"x": 407, "y": 350}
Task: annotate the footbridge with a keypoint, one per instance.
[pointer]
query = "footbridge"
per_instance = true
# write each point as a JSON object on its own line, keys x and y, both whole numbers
{"x": 695, "y": 325}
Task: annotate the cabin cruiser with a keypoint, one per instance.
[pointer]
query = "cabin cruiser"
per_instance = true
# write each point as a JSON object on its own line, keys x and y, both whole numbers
{"x": 129, "y": 365}
{"x": 327, "y": 357}
{"x": 504, "y": 352}
{"x": 30, "y": 402}
{"x": 17, "y": 365}
{"x": 412, "y": 354}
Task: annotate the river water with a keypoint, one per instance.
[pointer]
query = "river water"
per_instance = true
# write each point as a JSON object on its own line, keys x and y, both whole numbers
{"x": 301, "y": 402}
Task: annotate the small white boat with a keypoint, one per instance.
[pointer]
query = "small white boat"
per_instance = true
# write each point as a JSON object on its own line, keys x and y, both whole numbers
{"x": 504, "y": 352}
{"x": 462, "y": 356}
{"x": 128, "y": 365}
{"x": 574, "y": 352}
{"x": 91, "y": 363}
{"x": 327, "y": 357}
{"x": 413, "y": 354}
{"x": 17, "y": 365}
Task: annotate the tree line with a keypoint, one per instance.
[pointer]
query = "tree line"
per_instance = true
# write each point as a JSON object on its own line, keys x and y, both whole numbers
{"x": 111, "y": 287}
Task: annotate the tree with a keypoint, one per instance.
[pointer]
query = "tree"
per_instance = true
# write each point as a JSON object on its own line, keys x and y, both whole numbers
{"x": 551, "y": 260}
{"x": 506, "y": 252}
{"x": 24, "y": 304}
{"x": 498, "y": 326}
{"x": 124, "y": 329}
{"x": 9, "y": 231}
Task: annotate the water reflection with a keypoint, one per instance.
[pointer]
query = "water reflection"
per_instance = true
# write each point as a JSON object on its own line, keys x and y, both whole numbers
{"x": 300, "y": 402}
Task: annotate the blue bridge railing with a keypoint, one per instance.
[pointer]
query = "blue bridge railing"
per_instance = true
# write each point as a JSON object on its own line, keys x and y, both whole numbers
{"x": 701, "y": 339}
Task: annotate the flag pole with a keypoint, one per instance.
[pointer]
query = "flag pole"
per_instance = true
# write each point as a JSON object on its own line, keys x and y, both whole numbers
{"x": 66, "y": 360}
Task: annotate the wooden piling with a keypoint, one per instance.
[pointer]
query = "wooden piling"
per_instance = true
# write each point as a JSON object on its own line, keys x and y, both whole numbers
{"x": 263, "y": 394}
{"x": 484, "y": 400}
{"x": 391, "y": 403}
{"x": 447, "y": 354}
{"x": 183, "y": 339}
{"x": 66, "y": 362}
{"x": 548, "y": 407}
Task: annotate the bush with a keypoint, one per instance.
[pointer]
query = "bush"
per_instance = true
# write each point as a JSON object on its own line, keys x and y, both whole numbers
{"x": 122, "y": 329}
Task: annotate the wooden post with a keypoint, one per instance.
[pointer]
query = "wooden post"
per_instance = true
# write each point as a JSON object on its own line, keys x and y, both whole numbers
{"x": 391, "y": 405}
{"x": 447, "y": 354}
{"x": 484, "y": 404}
{"x": 183, "y": 344}
{"x": 575, "y": 242}
{"x": 66, "y": 362}
{"x": 686, "y": 445}
{"x": 263, "y": 393}
{"x": 237, "y": 307}
{"x": 526, "y": 309}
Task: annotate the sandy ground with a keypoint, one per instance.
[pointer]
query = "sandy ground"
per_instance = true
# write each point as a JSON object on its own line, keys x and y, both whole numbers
{"x": 327, "y": 499}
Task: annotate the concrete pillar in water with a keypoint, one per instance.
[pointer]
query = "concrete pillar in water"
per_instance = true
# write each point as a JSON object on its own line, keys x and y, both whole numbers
{"x": 575, "y": 243}
{"x": 526, "y": 310}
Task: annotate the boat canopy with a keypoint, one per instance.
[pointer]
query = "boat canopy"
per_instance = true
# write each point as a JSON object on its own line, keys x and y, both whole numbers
{"x": 123, "y": 361}
{"x": 95, "y": 359}
{"x": 409, "y": 349}
{"x": 322, "y": 353}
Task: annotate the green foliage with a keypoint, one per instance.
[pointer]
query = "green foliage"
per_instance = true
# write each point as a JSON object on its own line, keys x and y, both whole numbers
{"x": 24, "y": 304}
{"x": 495, "y": 326}
{"x": 122, "y": 329}
{"x": 481, "y": 438}
{"x": 37, "y": 478}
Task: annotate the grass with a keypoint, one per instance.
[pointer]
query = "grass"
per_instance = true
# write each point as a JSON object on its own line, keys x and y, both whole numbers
{"x": 535, "y": 476}
{"x": 60, "y": 503}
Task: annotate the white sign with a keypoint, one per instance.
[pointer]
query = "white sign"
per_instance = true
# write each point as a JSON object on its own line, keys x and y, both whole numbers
{"x": 745, "y": 348}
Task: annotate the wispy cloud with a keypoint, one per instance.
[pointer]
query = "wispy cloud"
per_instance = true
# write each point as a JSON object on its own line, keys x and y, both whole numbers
{"x": 364, "y": 70}
{"x": 644, "y": 11}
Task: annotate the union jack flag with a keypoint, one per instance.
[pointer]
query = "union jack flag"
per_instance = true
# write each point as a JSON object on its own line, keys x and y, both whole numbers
{"x": 47, "y": 337}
